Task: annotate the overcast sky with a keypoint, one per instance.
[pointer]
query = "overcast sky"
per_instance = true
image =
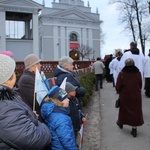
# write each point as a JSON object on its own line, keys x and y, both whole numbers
{"x": 114, "y": 36}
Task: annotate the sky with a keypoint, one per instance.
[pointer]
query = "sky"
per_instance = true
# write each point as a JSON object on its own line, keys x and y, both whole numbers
{"x": 114, "y": 38}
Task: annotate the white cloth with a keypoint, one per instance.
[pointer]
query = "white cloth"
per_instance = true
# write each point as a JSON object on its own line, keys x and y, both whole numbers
{"x": 111, "y": 67}
{"x": 146, "y": 62}
{"x": 138, "y": 59}
{"x": 40, "y": 87}
{"x": 114, "y": 68}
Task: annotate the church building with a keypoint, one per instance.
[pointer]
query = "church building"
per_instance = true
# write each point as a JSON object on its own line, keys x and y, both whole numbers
{"x": 67, "y": 28}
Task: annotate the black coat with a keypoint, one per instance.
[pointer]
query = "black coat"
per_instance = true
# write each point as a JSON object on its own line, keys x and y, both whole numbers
{"x": 26, "y": 85}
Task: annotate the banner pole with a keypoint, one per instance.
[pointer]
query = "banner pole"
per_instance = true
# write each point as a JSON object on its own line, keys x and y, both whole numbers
{"x": 34, "y": 91}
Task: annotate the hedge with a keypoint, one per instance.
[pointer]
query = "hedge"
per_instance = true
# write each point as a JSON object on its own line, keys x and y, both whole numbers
{"x": 87, "y": 81}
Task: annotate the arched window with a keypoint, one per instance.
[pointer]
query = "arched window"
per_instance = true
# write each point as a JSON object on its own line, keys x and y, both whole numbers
{"x": 73, "y": 37}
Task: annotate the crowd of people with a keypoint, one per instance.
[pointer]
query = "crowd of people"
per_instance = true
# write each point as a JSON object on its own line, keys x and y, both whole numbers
{"x": 54, "y": 124}
{"x": 127, "y": 72}
{"x": 19, "y": 125}
{"x": 26, "y": 124}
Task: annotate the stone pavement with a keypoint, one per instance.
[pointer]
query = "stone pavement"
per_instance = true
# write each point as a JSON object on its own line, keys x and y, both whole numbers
{"x": 91, "y": 139}
{"x": 101, "y": 131}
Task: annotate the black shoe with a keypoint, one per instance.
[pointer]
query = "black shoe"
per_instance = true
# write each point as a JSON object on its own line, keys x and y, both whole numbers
{"x": 134, "y": 132}
{"x": 77, "y": 146}
{"x": 147, "y": 95}
{"x": 119, "y": 125}
{"x": 101, "y": 87}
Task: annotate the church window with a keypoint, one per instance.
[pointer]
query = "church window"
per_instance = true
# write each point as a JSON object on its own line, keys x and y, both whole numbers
{"x": 73, "y": 37}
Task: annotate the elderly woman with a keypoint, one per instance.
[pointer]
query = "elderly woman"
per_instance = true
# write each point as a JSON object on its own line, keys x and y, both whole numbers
{"x": 19, "y": 127}
{"x": 129, "y": 84}
{"x": 65, "y": 69}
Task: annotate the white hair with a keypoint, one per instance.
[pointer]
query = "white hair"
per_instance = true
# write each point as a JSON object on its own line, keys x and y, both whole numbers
{"x": 65, "y": 60}
{"x": 129, "y": 62}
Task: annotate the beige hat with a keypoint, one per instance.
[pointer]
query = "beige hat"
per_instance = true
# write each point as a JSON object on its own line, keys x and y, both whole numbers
{"x": 7, "y": 68}
{"x": 31, "y": 60}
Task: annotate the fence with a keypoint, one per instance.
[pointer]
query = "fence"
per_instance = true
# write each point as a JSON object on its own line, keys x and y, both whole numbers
{"x": 48, "y": 67}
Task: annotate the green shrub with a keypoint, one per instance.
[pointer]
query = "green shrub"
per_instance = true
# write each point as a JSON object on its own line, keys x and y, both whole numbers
{"x": 87, "y": 81}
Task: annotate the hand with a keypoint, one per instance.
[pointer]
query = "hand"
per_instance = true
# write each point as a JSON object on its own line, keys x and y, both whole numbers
{"x": 83, "y": 120}
{"x": 37, "y": 115}
{"x": 65, "y": 102}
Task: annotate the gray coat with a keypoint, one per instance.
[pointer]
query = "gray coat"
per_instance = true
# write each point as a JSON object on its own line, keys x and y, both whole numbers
{"x": 19, "y": 127}
{"x": 98, "y": 67}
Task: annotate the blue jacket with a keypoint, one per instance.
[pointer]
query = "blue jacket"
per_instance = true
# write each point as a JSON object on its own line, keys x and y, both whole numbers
{"x": 60, "y": 125}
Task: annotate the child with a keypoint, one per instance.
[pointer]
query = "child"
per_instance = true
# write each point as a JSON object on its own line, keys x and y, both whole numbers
{"x": 75, "y": 114}
{"x": 58, "y": 121}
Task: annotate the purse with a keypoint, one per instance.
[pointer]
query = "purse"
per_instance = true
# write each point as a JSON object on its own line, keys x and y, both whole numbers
{"x": 117, "y": 104}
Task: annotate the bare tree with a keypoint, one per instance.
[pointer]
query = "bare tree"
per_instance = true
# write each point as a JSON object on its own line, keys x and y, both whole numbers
{"x": 85, "y": 52}
{"x": 134, "y": 15}
{"x": 128, "y": 19}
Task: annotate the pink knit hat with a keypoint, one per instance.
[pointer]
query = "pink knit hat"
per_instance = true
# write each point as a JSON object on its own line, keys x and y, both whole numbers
{"x": 8, "y": 53}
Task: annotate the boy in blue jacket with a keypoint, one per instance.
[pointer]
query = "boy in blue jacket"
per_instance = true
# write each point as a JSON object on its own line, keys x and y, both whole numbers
{"x": 58, "y": 121}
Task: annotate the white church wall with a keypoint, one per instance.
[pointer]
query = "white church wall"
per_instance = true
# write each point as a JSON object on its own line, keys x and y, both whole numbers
{"x": 48, "y": 52}
{"x": 20, "y": 48}
{"x": 47, "y": 30}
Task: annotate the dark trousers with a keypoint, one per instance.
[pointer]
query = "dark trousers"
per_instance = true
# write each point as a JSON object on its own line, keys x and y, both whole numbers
{"x": 147, "y": 87}
{"x": 98, "y": 77}
{"x": 108, "y": 75}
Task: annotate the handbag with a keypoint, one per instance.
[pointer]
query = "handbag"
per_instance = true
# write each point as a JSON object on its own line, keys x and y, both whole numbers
{"x": 117, "y": 104}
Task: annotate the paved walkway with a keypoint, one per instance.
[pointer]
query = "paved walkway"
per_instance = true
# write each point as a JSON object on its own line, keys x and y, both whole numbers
{"x": 101, "y": 131}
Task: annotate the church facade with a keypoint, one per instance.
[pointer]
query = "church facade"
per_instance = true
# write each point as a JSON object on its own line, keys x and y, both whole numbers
{"x": 68, "y": 28}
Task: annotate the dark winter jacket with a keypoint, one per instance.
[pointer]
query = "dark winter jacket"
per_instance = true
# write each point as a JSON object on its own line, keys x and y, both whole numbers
{"x": 26, "y": 85}
{"x": 60, "y": 126}
{"x": 75, "y": 114}
{"x": 129, "y": 84}
{"x": 61, "y": 73}
{"x": 135, "y": 51}
{"x": 19, "y": 127}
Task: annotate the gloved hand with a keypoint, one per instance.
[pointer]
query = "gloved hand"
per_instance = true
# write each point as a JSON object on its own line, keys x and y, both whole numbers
{"x": 80, "y": 91}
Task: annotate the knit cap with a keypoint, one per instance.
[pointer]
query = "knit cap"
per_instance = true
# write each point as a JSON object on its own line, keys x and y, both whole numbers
{"x": 31, "y": 60}
{"x": 70, "y": 87}
{"x": 8, "y": 53}
{"x": 7, "y": 68}
{"x": 57, "y": 93}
